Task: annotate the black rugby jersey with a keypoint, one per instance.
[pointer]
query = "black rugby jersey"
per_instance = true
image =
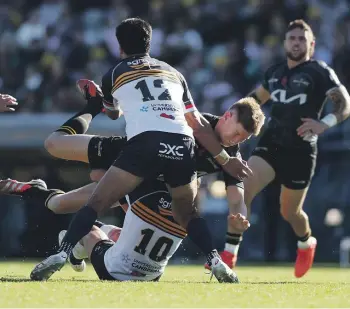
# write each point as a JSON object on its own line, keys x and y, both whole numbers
{"x": 296, "y": 93}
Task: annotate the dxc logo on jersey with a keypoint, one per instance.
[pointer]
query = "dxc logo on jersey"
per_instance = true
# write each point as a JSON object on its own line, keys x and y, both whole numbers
{"x": 170, "y": 152}
{"x": 280, "y": 95}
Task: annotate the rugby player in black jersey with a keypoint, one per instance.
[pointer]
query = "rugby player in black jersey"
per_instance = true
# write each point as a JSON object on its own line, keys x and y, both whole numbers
{"x": 287, "y": 150}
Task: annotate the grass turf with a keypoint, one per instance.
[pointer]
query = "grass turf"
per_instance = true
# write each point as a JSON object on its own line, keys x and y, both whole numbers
{"x": 181, "y": 286}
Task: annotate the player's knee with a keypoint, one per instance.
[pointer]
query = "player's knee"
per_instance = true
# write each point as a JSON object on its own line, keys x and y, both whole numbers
{"x": 49, "y": 145}
{"x": 96, "y": 175}
{"x": 51, "y": 141}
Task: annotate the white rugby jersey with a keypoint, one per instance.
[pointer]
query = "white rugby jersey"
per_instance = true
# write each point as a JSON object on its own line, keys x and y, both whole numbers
{"x": 152, "y": 95}
{"x": 148, "y": 240}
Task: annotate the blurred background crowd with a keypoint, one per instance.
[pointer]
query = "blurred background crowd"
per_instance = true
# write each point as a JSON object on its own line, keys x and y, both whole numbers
{"x": 222, "y": 47}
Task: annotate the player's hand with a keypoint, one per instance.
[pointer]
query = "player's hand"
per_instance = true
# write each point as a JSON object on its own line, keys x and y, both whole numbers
{"x": 311, "y": 126}
{"x": 7, "y": 103}
{"x": 237, "y": 168}
{"x": 89, "y": 89}
{"x": 238, "y": 222}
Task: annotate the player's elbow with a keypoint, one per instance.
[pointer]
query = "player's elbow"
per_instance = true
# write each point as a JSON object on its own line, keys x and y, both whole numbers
{"x": 194, "y": 121}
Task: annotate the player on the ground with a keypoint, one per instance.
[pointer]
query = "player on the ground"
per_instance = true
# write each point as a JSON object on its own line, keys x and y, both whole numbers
{"x": 298, "y": 89}
{"x": 154, "y": 98}
{"x": 140, "y": 250}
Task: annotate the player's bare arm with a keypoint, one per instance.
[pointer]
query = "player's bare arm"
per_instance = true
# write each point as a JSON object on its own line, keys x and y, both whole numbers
{"x": 340, "y": 98}
{"x": 205, "y": 135}
{"x": 260, "y": 94}
{"x": 237, "y": 221}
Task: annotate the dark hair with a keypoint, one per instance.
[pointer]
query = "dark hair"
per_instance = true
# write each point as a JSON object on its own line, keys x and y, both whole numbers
{"x": 300, "y": 24}
{"x": 134, "y": 36}
{"x": 249, "y": 114}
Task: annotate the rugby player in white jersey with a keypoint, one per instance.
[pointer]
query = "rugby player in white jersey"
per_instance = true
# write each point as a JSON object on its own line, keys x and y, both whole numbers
{"x": 158, "y": 143}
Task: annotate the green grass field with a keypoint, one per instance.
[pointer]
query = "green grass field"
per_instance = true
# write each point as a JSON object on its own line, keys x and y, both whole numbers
{"x": 181, "y": 286}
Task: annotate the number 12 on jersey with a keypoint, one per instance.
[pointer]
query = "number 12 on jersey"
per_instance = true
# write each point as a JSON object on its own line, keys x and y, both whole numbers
{"x": 160, "y": 249}
{"x": 146, "y": 93}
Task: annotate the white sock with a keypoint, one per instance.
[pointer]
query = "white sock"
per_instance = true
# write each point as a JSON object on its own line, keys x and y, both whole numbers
{"x": 232, "y": 248}
{"x": 306, "y": 244}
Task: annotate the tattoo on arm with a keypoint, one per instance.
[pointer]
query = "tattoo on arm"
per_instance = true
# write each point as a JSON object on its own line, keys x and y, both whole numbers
{"x": 341, "y": 100}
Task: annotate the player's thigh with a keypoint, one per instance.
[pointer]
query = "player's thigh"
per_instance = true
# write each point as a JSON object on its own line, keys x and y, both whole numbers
{"x": 113, "y": 186}
{"x": 183, "y": 206}
{"x": 68, "y": 147}
{"x": 291, "y": 201}
{"x": 263, "y": 174}
{"x": 92, "y": 238}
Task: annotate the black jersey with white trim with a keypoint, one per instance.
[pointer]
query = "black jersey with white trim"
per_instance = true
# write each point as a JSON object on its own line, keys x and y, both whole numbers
{"x": 152, "y": 95}
{"x": 296, "y": 93}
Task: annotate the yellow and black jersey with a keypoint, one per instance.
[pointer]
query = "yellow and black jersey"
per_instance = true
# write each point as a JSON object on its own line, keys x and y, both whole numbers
{"x": 152, "y": 95}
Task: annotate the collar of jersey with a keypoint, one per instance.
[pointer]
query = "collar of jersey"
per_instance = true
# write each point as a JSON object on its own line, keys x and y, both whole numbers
{"x": 136, "y": 56}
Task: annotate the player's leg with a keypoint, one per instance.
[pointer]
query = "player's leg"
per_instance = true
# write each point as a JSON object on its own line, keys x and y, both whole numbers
{"x": 118, "y": 181}
{"x": 296, "y": 179}
{"x": 236, "y": 224}
{"x": 180, "y": 175}
{"x": 99, "y": 151}
{"x": 68, "y": 147}
{"x": 263, "y": 174}
{"x": 93, "y": 246}
{"x": 64, "y": 143}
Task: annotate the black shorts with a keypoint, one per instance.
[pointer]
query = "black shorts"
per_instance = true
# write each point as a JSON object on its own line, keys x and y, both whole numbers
{"x": 294, "y": 167}
{"x": 152, "y": 153}
{"x": 103, "y": 151}
{"x": 98, "y": 259}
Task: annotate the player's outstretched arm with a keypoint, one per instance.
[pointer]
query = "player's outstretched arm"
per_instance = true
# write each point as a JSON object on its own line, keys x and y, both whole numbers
{"x": 7, "y": 103}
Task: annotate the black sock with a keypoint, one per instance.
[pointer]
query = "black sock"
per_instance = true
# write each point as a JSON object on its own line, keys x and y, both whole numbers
{"x": 80, "y": 226}
{"x": 305, "y": 237}
{"x": 41, "y": 194}
{"x": 233, "y": 239}
{"x": 198, "y": 232}
{"x": 80, "y": 122}
{"x": 73, "y": 260}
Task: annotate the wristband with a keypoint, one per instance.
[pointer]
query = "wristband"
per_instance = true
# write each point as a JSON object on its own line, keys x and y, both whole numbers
{"x": 330, "y": 120}
{"x": 222, "y": 156}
